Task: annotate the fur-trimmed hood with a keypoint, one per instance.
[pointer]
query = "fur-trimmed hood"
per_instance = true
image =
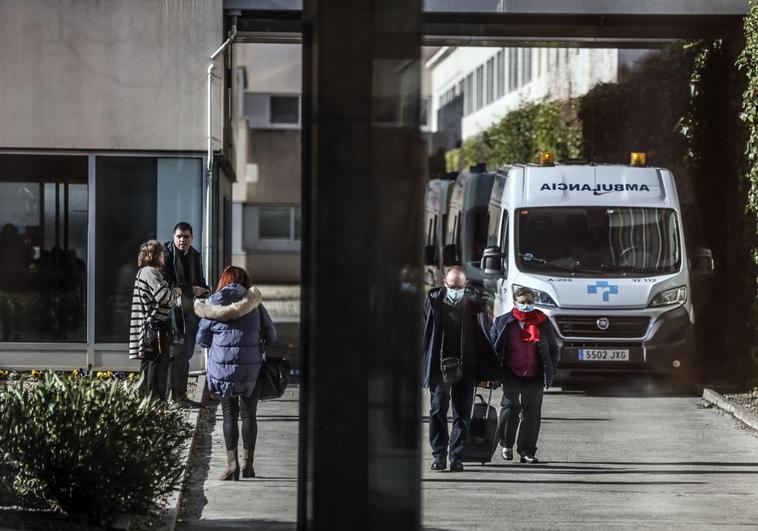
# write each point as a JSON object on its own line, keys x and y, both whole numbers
{"x": 232, "y": 302}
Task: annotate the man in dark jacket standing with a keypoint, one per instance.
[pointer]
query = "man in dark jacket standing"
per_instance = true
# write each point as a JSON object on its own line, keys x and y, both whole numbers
{"x": 183, "y": 269}
{"x": 455, "y": 327}
{"x": 524, "y": 341}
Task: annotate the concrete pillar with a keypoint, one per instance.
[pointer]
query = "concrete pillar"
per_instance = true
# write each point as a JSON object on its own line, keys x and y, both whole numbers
{"x": 363, "y": 187}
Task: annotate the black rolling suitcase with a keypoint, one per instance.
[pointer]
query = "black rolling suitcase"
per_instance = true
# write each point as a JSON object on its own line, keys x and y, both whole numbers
{"x": 481, "y": 440}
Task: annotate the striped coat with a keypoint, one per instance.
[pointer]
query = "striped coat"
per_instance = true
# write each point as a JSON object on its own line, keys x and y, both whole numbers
{"x": 152, "y": 301}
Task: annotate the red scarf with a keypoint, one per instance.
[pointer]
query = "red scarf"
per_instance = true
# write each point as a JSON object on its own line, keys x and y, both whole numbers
{"x": 531, "y": 320}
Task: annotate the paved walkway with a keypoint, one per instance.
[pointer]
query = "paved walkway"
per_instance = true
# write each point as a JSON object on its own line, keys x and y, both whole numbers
{"x": 267, "y": 502}
{"x": 609, "y": 462}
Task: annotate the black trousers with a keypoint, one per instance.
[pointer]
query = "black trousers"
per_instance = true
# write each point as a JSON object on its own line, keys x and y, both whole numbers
{"x": 154, "y": 368}
{"x": 522, "y": 395}
{"x": 181, "y": 354}
{"x": 462, "y": 396}
{"x": 247, "y": 407}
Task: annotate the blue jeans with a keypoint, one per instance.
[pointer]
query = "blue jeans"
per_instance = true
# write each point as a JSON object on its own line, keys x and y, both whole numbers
{"x": 462, "y": 396}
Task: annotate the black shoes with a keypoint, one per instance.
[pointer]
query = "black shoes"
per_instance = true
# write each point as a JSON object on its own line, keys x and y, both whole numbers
{"x": 439, "y": 464}
{"x": 508, "y": 454}
{"x": 456, "y": 466}
{"x": 186, "y": 403}
{"x": 529, "y": 459}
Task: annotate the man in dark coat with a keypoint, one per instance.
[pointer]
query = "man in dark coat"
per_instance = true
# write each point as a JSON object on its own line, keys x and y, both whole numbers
{"x": 455, "y": 326}
{"x": 183, "y": 269}
{"x": 525, "y": 344}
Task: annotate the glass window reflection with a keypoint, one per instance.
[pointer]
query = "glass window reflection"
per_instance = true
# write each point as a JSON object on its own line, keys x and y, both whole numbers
{"x": 43, "y": 248}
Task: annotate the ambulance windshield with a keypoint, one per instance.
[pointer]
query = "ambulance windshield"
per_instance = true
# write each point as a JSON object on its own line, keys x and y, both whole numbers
{"x": 591, "y": 241}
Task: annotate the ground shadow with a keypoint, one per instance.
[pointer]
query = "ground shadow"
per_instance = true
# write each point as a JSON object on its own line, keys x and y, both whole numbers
{"x": 193, "y": 492}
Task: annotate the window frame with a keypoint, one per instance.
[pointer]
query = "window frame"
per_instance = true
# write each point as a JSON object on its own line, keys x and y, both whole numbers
{"x": 83, "y": 354}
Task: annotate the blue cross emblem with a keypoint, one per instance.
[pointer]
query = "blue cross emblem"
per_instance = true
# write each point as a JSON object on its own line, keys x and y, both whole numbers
{"x": 603, "y": 284}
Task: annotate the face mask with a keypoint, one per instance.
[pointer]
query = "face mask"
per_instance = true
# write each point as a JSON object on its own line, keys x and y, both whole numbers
{"x": 455, "y": 295}
{"x": 524, "y": 307}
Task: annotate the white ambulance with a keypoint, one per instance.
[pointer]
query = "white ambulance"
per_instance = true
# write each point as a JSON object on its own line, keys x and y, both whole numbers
{"x": 603, "y": 249}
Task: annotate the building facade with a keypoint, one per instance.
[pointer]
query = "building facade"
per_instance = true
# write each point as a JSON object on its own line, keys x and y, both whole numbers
{"x": 103, "y": 145}
{"x": 474, "y": 87}
{"x": 267, "y": 113}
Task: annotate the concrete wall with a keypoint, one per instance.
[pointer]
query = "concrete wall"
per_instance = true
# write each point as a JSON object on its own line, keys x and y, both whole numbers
{"x": 273, "y": 268}
{"x": 107, "y": 74}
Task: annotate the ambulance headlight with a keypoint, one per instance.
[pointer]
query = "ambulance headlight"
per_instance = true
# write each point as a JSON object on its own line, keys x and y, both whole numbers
{"x": 671, "y": 296}
{"x": 540, "y": 297}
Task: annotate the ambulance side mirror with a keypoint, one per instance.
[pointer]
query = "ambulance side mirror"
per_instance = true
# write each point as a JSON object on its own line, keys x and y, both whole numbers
{"x": 701, "y": 263}
{"x": 492, "y": 261}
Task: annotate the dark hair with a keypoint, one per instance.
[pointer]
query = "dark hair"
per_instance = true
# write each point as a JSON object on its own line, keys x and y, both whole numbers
{"x": 233, "y": 275}
{"x": 150, "y": 253}
{"x": 182, "y": 226}
{"x": 523, "y": 291}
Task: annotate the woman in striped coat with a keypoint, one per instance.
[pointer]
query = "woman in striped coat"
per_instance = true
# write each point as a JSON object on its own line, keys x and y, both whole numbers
{"x": 150, "y": 331}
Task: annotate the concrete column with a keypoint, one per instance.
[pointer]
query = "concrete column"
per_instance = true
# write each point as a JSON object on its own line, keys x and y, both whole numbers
{"x": 362, "y": 205}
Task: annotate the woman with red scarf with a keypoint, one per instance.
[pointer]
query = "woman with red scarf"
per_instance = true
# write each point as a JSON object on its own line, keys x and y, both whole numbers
{"x": 525, "y": 343}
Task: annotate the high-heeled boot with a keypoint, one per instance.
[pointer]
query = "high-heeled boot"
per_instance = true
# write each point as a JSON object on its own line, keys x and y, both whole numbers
{"x": 247, "y": 467}
{"x": 232, "y": 470}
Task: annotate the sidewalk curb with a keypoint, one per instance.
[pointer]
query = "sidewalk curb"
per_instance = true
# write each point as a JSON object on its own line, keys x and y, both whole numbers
{"x": 711, "y": 396}
{"x": 175, "y": 501}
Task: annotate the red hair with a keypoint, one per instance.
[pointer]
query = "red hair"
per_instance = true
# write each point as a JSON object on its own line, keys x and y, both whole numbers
{"x": 233, "y": 275}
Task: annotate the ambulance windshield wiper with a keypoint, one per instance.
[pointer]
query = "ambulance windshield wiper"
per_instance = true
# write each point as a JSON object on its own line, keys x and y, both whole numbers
{"x": 542, "y": 263}
{"x": 603, "y": 269}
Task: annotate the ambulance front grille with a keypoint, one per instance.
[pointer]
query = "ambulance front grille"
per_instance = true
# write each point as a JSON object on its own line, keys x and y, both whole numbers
{"x": 587, "y": 326}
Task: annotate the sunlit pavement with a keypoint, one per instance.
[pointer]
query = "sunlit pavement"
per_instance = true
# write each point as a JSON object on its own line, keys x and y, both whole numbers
{"x": 609, "y": 461}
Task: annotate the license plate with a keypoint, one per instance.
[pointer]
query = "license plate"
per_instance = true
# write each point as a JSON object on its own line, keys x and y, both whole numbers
{"x": 596, "y": 354}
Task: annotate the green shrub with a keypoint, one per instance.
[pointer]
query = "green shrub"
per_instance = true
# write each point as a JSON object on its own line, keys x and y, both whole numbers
{"x": 521, "y": 134}
{"x": 89, "y": 447}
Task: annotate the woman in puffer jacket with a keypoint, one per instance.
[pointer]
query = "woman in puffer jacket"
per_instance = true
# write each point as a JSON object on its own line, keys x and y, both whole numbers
{"x": 234, "y": 324}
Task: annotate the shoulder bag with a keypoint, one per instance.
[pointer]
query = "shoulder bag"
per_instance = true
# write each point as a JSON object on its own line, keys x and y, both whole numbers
{"x": 274, "y": 375}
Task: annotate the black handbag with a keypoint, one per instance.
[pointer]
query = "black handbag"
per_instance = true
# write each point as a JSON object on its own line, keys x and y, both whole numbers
{"x": 274, "y": 375}
{"x": 273, "y": 378}
{"x": 452, "y": 370}
{"x": 154, "y": 332}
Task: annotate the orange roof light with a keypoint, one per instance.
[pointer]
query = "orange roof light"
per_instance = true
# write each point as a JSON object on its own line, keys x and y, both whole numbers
{"x": 637, "y": 158}
{"x": 546, "y": 158}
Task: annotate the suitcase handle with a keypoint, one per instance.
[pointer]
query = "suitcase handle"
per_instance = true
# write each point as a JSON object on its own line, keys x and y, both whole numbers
{"x": 489, "y": 398}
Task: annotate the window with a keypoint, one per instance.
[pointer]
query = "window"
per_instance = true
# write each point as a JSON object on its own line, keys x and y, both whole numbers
{"x": 138, "y": 198}
{"x": 469, "y": 94}
{"x": 271, "y": 228}
{"x": 490, "y": 80}
{"x": 500, "y": 74}
{"x": 43, "y": 248}
{"x": 512, "y": 69}
{"x": 527, "y": 65}
{"x": 284, "y": 110}
{"x": 271, "y": 111}
{"x": 479, "y": 87}
{"x": 275, "y": 223}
